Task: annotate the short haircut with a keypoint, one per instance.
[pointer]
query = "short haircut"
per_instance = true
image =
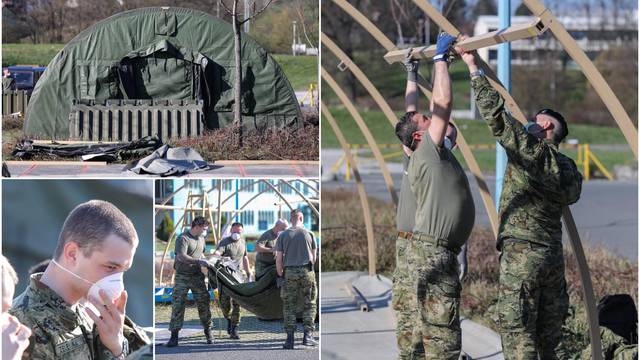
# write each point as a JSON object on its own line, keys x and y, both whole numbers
{"x": 90, "y": 223}
{"x": 295, "y": 212}
{"x": 39, "y": 267}
{"x": 237, "y": 224}
{"x": 282, "y": 222}
{"x": 199, "y": 221}
{"x": 405, "y": 129}
{"x": 558, "y": 134}
{"x": 8, "y": 270}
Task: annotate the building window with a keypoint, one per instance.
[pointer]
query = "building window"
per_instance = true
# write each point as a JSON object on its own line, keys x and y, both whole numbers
{"x": 265, "y": 219}
{"x": 286, "y": 188}
{"x": 246, "y": 218}
{"x": 227, "y": 185}
{"x": 214, "y": 184}
{"x": 248, "y": 184}
{"x": 286, "y": 214}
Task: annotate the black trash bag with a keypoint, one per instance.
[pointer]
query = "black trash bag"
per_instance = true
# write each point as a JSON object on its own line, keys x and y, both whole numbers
{"x": 618, "y": 313}
{"x": 123, "y": 151}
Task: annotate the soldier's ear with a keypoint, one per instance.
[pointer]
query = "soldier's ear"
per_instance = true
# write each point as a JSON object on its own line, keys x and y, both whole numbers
{"x": 70, "y": 252}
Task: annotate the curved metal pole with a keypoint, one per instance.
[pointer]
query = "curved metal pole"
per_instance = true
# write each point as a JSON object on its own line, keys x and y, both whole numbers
{"x": 485, "y": 194}
{"x": 235, "y": 213}
{"x": 574, "y": 237}
{"x": 365, "y": 131}
{"x": 355, "y": 70}
{"x": 309, "y": 186}
{"x": 165, "y": 201}
{"x": 364, "y": 202}
{"x": 590, "y": 72}
{"x": 175, "y": 230}
{"x": 302, "y": 196}
{"x": 279, "y": 194}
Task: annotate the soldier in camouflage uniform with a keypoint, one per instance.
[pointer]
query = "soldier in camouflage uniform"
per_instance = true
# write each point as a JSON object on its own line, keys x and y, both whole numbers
{"x": 189, "y": 252}
{"x": 296, "y": 253}
{"x": 97, "y": 240}
{"x": 539, "y": 182}
{"x": 404, "y": 300}
{"x": 444, "y": 217}
{"x": 265, "y": 256}
{"x": 235, "y": 248}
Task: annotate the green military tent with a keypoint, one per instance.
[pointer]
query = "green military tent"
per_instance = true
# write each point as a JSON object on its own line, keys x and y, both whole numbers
{"x": 131, "y": 74}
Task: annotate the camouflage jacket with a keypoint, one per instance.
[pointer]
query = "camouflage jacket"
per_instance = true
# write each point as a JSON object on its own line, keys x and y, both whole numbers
{"x": 59, "y": 331}
{"x": 538, "y": 182}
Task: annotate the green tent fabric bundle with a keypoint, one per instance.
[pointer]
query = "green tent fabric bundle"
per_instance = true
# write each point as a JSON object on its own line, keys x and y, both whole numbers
{"x": 261, "y": 297}
{"x": 162, "y": 54}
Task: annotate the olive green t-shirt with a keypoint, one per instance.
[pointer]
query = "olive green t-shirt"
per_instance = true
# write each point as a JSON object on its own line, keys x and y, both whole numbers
{"x": 406, "y": 212}
{"x": 297, "y": 245}
{"x": 268, "y": 239}
{"x": 232, "y": 248}
{"x": 191, "y": 245}
{"x": 445, "y": 207}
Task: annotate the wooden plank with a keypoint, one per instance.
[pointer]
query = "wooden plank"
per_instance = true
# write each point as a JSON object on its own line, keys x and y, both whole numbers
{"x": 516, "y": 32}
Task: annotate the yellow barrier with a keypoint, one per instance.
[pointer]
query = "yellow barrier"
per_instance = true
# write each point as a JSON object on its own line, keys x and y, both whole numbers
{"x": 584, "y": 160}
{"x": 311, "y": 94}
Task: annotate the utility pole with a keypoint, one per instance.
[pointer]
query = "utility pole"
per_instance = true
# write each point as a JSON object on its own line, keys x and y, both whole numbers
{"x": 504, "y": 75}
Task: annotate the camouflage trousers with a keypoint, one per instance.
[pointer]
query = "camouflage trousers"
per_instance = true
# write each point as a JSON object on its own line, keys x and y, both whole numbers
{"x": 229, "y": 307}
{"x": 532, "y": 301}
{"x": 299, "y": 282}
{"x": 404, "y": 301}
{"x": 437, "y": 287}
{"x": 184, "y": 282}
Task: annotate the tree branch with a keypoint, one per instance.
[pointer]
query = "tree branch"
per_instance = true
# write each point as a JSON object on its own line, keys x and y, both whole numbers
{"x": 226, "y": 8}
{"x": 257, "y": 12}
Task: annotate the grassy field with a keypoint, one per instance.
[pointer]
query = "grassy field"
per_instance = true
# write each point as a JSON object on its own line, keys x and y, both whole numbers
{"x": 475, "y": 132}
{"x": 300, "y": 70}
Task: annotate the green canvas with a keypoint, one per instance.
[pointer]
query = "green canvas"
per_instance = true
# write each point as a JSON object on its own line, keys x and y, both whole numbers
{"x": 163, "y": 54}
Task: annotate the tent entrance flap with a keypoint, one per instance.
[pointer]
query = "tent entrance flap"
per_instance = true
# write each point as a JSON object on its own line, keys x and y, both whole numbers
{"x": 162, "y": 71}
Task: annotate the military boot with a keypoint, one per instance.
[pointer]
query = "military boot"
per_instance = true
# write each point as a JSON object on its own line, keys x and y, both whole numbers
{"x": 173, "y": 341}
{"x": 233, "y": 332}
{"x": 288, "y": 344}
{"x": 208, "y": 336}
{"x": 308, "y": 340}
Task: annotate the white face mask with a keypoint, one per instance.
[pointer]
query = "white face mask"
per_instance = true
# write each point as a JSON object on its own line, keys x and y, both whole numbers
{"x": 235, "y": 236}
{"x": 204, "y": 234}
{"x": 112, "y": 284}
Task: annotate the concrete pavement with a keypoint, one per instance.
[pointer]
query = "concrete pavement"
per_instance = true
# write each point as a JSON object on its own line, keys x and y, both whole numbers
{"x": 348, "y": 333}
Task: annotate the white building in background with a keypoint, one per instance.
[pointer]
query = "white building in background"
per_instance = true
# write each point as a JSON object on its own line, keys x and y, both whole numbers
{"x": 592, "y": 34}
{"x": 258, "y": 216}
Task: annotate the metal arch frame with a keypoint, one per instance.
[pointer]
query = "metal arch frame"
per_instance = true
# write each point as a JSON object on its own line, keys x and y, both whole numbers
{"x": 485, "y": 194}
{"x": 204, "y": 208}
{"x": 364, "y": 202}
{"x": 301, "y": 195}
{"x": 583, "y": 266}
{"x": 589, "y": 71}
{"x": 517, "y": 113}
{"x": 365, "y": 131}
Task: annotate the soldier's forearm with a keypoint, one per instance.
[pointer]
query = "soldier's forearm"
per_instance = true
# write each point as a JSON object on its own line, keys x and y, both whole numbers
{"x": 186, "y": 259}
{"x": 489, "y": 103}
{"x": 411, "y": 97}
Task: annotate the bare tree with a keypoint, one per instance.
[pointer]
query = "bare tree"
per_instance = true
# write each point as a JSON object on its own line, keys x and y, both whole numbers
{"x": 237, "y": 19}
